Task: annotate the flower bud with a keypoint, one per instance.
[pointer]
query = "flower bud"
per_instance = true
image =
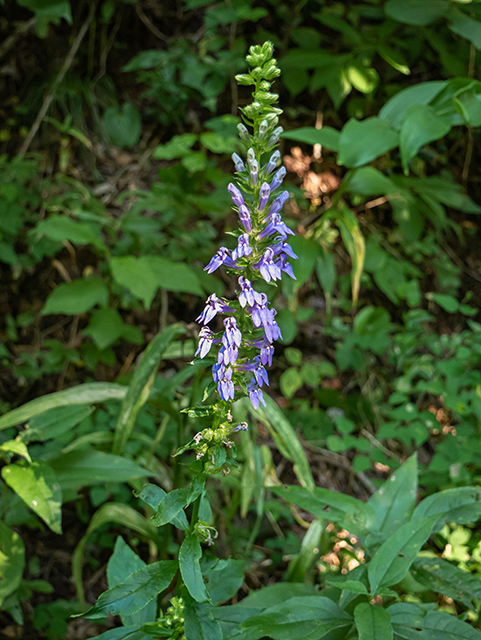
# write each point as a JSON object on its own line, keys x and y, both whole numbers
{"x": 243, "y": 133}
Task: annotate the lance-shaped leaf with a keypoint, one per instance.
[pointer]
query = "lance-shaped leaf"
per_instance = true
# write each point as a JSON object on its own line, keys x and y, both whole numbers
{"x": 135, "y": 592}
{"x": 189, "y": 555}
{"x": 153, "y": 495}
{"x": 392, "y": 560}
{"x": 442, "y": 577}
{"x": 461, "y": 505}
{"x": 372, "y": 622}
{"x": 199, "y": 621}
{"x": 173, "y": 502}
{"x": 441, "y": 626}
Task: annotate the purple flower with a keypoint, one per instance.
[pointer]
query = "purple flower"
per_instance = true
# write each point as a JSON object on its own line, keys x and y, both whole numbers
{"x": 264, "y": 196}
{"x": 232, "y": 334}
{"x": 267, "y": 350}
{"x": 279, "y": 202}
{"x": 276, "y": 224}
{"x": 284, "y": 247}
{"x": 286, "y": 267}
{"x": 213, "y": 307}
{"x": 227, "y": 355}
{"x": 272, "y": 164}
{"x": 278, "y": 178}
{"x": 221, "y": 257}
{"x": 261, "y": 315}
{"x": 236, "y": 195}
{"x": 245, "y": 218}
{"x": 272, "y": 329}
{"x": 254, "y": 170}
{"x": 225, "y": 386}
{"x": 206, "y": 340}
{"x": 243, "y": 247}
{"x": 255, "y": 394}
{"x": 248, "y": 296}
{"x": 267, "y": 267}
{"x": 239, "y": 165}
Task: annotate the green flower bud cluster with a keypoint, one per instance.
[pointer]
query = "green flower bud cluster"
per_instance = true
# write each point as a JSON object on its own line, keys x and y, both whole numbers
{"x": 173, "y": 620}
{"x": 204, "y": 532}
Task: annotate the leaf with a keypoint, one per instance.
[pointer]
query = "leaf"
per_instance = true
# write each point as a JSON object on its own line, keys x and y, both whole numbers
{"x": 105, "y": 327}
{"x": 54, "y": 422}
{"x": 286, "y": 439}
{"x": 443, "y": 577}
{"x": 355, "y": 245}
{"x": 364, "y": 79}
{"x": 372, "y": 622}
{"x": 120, "y": 514}
{"x": 444, "y": 189}
{"x": 445, "y": 301}
{"x": 466, "y": 27}
{"x": 224, "y": 579}
{"x": 469, "y": 106}
{"x": 122, "y": 563}
{"x": 276, "y": 594}
{"x": 124, "y": 633}
{"x": 170, "y": 506}
{"x": 394, "y": 502}
{"x": 461, "y": 505}
{"x": 362, "y": 142}
{"x": 62, "y": 228}
{"x": 174, "y": 276}
{"x": 301, "y": 618}
{"x": 199, "y": 621}
{"x": 352, "y": 514}
{"x": 423, "y": 93}
{"x": 153, "y": 495}
{"x": 76, "y": 297}
{"x": 12, "y": 561}
{"x": 141, "y": 384}
{"x": 47, "y": 11}
{"x": 85, "y": 467}
{"x": 88, "y": 393}
{"x": 177, "y": 147}
{"x": 39, "y": 488}
{"x": 420, "y": 126}
{"x": 326, "y": 136}
{"x": 392, "y": 560}
{"x": 15, "y": 447}
{"x": 326, "y": 270}
{"x": 135, "y": 592}
{"x": 189, "y": 555}
{"x": 417, "y": 12}
{"x": 368, "y": 181}
{"x": 441, "y": 626}
{"x": 123, "y": 125}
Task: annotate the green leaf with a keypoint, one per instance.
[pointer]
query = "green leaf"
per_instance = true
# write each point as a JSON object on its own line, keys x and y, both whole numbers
{"x": 39, "y": 488}
{"x": 417, "y": 12}
{"x": 466, "y": 27}
{"x": 177, "y": 147}
{"x": 170, "y": 506}
{"x": 352, "y": 514}
{"x": 372, "y": 622}
{"x": 88, "y": 393}
{"x": 199, "y": 621}
{"x": 355, "y": 245}
{"x": 87, "y": 466}
{"x": 12, "y": 561}
{"x": 326, "y": 270}
{"x": 301, "y": 618}
{"x": 441, "y": 626}
{"x": 286, "y": 439}
{"x": 224, "y": 579}
{"x": 444, "y": 189}
{"x": 368, "y": 181}
{"x": 105, "y": 327}
{"x": 364, "y": 79}
{"x": 47, "y": 11}
{"x": 362, "y": 142}
{"x": 326, "y": 136}
{"x": 445, "y": 301}
{"x": 153, "y": 495}
{"x": 62, "y": 228}
{"x": 420, "y": 126}
{"x": 54, "y": 422}
{"x": 468, "y": 105}
{"x": 461, "y": 505}
{"x": 79, "y": 296}
{"x": 123, "y": 125}
{"x": 189, "y": 555}
{"x": 15, "y": 447}
{"x": 141, "y": 384}
{"x": 122, "y": 563}
{"x": 135, "y": 592}
{"x": 290, "y": 382}
{"x": 443, "y": 577}
{"x": 174, "y": 276}
{"x": 423, "y": 93}
{"x": 392, "y": 560}
{"x": 394, "y": 502}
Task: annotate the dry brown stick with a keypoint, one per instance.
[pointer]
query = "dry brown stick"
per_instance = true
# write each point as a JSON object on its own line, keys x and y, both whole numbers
{"x": 11, "y": 41}
{"x": 66, "y": 66}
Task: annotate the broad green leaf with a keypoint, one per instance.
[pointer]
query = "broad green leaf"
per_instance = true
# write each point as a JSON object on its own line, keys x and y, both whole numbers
{"x": 38, "y": 486}
{"x": 362, "y": 142}
{"x": 174, "y": 276}
{"x": 120, "y": 514}
{"x": 276, "y": 594}
{"x": 420, "y": 126}
{"x": 326, "y": 136}
{"x": 417, "y": 12}
{"x": 153, "y": 495}
{"x": 170, "y": 506}
{"x": 199, "y": 621}
{"x": 302, "y": 618}
{"x": 12, "y": 561}
{"x": 468, "y": 105}
{"x": 85, "y": 467}
{"x": 17, "y": 448}
{"x": 124, "y": 633}
{"x": 372, "y": 622}
{"x": 141, "y": 384}
{"x": 123, "y": 562}
{"x": 286, "y": 439}
{"x": 352, "y": 514}
{"x": 189, "y": 556}
{"x": 445, "y": 301}
{"x": 307, "y": 250}
{"x": 123, "y": 125}
{"x": 446, "y": 578}
{"x": 177, "y": 147}
{"x": 395, "y": 108}
{"x": 224, "y": 579}
{"x": 298, "y": 59}
{"x": 76, "y": 297}
{"x": 444, "y": 189}
{"x": 352, "y": 586}
{"x": 54, "y": 422}
{"x": 442, "y": 626}
{"x": 466, "y": 27}
{"x": 461, "y": 505}
{"x": 62, "y": 228}
{"x": 392, "y": 560}
{"x": 326, "y": 270}
{"x": 368, "y": 181}
{"x": 88, "y": 393}
{"x": 364, "y": 79}
{"x": 135, "y": 592}
{"x": 407, "y": 620}
{"x": 394, "y": 502}
{"x": 105, "y": 327}
{"x": 47, "y": 11}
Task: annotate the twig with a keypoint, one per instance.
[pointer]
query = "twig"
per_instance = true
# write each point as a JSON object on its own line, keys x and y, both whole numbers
{"x": 11, "y": 41}
{"x": 150, "y": 25}
{"x": 66, "y": 66}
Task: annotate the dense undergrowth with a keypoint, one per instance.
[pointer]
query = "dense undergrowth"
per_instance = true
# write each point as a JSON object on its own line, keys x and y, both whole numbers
{"x": 117, "y": 123}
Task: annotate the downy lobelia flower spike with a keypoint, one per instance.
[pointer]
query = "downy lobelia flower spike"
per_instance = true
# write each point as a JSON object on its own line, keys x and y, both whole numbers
{"x": 245, "y": 346}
